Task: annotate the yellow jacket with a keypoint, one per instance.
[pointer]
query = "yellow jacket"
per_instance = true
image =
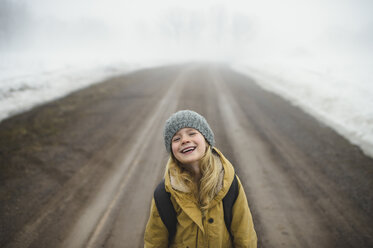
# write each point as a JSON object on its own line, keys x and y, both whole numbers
{"x": 193, "y": 230}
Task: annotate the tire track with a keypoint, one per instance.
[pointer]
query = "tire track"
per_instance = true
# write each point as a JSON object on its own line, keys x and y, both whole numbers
{"x": 102, "y": 209}
{"x": 271, "y": 190}
{"x": 297, "y": 205}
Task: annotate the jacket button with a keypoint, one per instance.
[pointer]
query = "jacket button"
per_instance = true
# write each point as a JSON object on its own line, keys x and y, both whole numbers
{"x": 211, "y": 220}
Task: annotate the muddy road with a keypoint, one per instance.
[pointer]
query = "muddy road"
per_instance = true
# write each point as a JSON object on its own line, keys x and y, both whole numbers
{"x": 80, "y": 171}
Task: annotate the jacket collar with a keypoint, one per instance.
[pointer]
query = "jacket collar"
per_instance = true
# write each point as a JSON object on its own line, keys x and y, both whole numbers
{"x": 186, "y": 200}
{"x": 180, "y": 185}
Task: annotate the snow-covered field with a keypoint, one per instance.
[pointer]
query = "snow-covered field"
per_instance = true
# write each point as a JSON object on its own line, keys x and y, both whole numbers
{"x": 338, "y": 94}
{"x": 27, "y": 83}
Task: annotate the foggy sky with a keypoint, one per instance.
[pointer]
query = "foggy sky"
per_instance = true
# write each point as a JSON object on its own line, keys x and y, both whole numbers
{"x": 165, "y": 28}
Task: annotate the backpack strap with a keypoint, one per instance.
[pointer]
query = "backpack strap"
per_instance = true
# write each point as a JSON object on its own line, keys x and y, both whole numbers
{"x": 168, "y": 214}
{"x": 228, "y": 202}
{"x": 165, "y": 209}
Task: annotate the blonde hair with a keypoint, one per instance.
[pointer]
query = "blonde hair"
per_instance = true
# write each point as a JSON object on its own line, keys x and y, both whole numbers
{"x": 207, "y": 186}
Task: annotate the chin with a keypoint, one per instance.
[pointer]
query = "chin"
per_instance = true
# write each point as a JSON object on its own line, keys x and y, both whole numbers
{"x": 187, "y": 161}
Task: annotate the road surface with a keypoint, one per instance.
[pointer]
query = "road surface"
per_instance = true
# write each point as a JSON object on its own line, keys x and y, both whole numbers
{"x": 80, "y": 171}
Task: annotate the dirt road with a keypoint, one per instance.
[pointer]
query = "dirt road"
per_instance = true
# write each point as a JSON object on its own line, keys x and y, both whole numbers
{"x": 80, "y": 171}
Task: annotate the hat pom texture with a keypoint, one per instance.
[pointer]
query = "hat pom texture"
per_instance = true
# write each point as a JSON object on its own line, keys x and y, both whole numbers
{"x": 183, "y": 119}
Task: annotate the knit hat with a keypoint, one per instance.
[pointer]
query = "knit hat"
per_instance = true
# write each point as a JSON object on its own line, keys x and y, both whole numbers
{"x": 186, "y": 118}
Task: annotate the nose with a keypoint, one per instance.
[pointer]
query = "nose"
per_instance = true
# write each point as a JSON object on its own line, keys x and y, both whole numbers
{"x": 184, "y": 140}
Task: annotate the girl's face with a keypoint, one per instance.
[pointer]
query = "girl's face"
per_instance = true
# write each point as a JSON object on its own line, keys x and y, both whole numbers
{"x": 188, "y": 146}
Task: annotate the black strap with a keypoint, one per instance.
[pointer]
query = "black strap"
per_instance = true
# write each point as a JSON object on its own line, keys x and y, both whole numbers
{"x": 168, "y": 214}
{"x": 166, "y": 209}
{"x": 228, "y": 202}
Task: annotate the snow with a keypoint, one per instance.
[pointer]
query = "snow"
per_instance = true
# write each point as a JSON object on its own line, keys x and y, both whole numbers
{"x": 28, "y": 82}
{"x": 339, "y": 94}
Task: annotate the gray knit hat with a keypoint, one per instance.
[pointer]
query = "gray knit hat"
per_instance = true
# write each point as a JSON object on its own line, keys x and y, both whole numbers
{"x": 186, "y": 118}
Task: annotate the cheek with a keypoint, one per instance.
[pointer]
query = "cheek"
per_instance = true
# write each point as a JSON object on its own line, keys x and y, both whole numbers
{"x": 203, "y": 143}
{"x": 174, "y": 148}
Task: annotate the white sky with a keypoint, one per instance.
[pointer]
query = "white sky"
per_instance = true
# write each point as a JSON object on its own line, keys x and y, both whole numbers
{"x": 229, "y": 28}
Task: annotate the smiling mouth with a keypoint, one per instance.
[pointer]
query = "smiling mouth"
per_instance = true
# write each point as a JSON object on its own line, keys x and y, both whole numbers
{"x": 188, "y": 150}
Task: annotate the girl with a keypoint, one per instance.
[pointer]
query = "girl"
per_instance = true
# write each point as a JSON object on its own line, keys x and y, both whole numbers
{"x": 198, "y": 177}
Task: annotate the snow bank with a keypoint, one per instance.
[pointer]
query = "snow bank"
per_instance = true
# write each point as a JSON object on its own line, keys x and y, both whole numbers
{"x": 26, "y": 83}
{"x": 341, "y": 96}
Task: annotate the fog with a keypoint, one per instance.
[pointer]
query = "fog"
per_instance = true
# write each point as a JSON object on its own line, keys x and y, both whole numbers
{"x": 216, "y": 30}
